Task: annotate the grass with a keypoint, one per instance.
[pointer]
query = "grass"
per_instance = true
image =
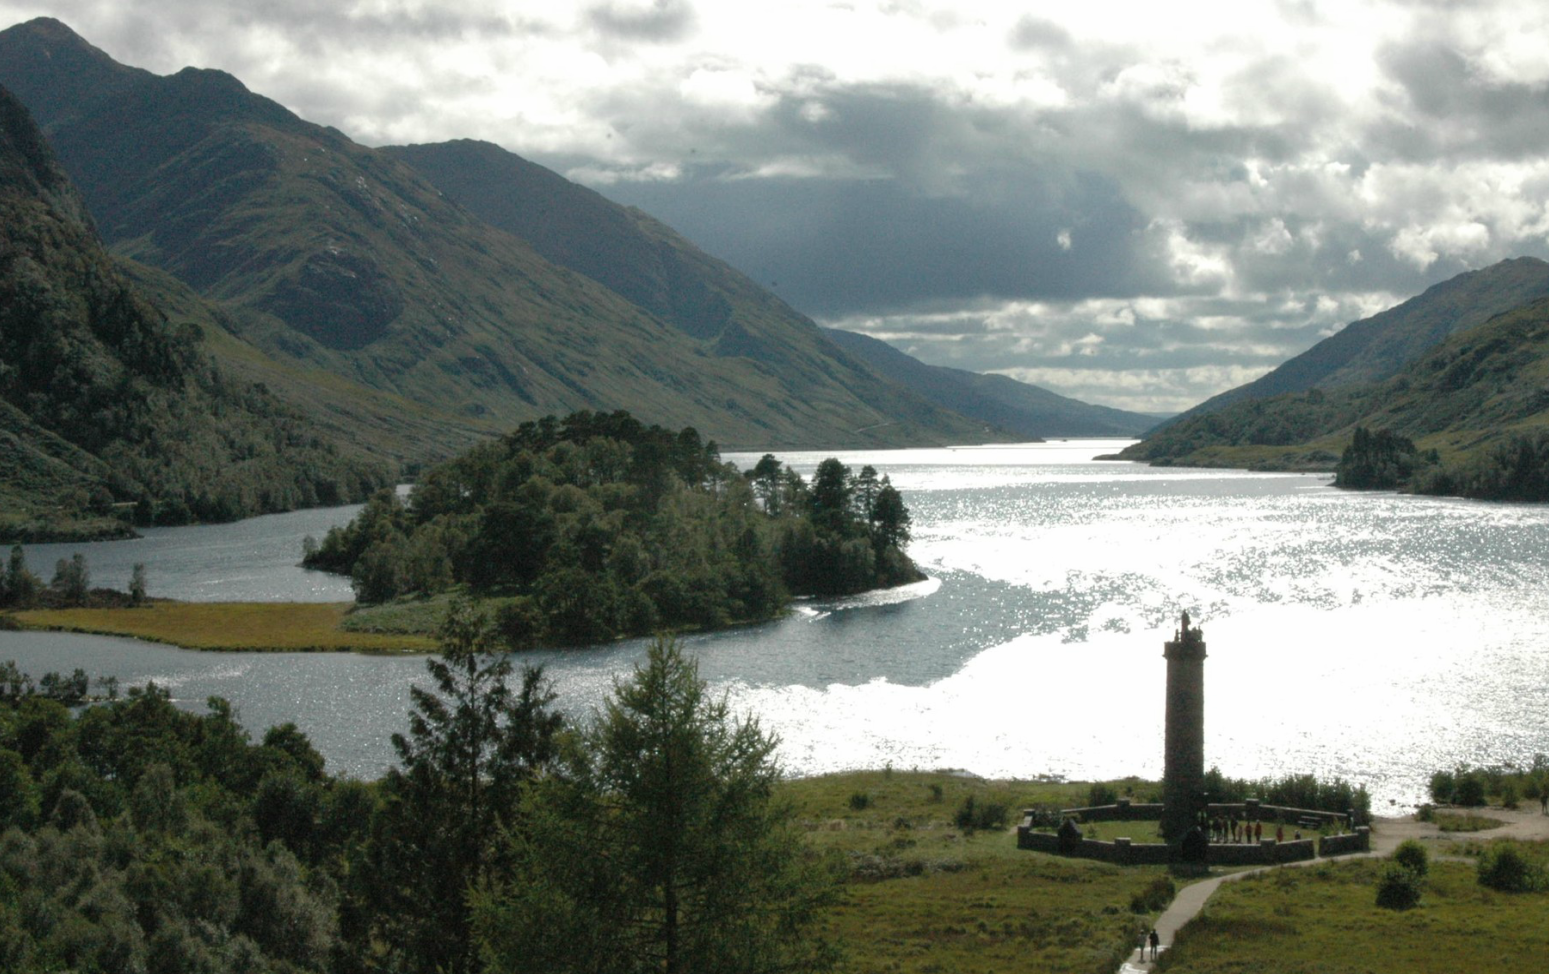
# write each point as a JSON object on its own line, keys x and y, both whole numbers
{"x": 1325, "y": 918}
{"x": 925, "y": 896}
{"x": 263, "y": 626}
{"x": 1464, "y": 822}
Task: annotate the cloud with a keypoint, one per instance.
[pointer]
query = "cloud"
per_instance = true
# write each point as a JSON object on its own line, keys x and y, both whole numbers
{"x": 659, "y": 21}
{"x": 1185, "y": 195}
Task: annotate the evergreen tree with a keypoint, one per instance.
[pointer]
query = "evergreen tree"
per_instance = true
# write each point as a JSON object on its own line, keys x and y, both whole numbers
{"x": 472, "y": 746}
{"x": 659, "y": 847}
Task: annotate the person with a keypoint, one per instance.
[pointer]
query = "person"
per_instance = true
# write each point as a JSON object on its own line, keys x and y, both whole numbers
{"x": 1156, "y": 943}
{"x": 1280, "y": 833}
{"x": 1258, "y": 831}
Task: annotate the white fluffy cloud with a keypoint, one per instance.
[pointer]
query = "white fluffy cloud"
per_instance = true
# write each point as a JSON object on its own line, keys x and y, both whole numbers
{"x": 1182, "y": 196}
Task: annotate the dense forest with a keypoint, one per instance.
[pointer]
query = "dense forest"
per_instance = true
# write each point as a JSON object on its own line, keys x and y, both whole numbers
{"x": 1516, "y": 469}
{"x": 596, "y": 526}
{"x": 110, "y": 412}
{"x": 139, "y": 837}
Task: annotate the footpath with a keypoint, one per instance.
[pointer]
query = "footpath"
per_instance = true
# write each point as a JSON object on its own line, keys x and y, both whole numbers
{"x": 1523, "y": 824}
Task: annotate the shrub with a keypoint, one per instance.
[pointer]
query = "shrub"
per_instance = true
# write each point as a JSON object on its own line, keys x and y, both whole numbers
{"x": 1398, "y": 888}
{"x": 1101, "y": 794}
{"x": 1503, "y": 867}
{"x": 1155, "y": 896}
{"x": 1469, "y": 790}
{"x": 860, "y": 801}
{"x": 973, "y": 815}
{"x": 1443, "y": 784}
{"x": 935, "y": 792}
{"x": 1412, "y": 856}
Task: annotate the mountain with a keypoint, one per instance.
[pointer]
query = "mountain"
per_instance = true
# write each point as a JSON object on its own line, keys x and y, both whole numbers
{"x": 1026, "y": 410}
{"x": 1376, "y": 348}
{"x": 105, "y": 407}
{"x": 333, "y": 258}
{"x": 1473, "y": 394}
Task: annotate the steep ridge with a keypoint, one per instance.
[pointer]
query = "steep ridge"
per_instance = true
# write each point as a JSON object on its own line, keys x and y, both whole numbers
{"x": 1377, "y": 348}
{"x": 653, "y": 266}
{"x": 1472, "y": 394}
{"x": 109, "y": 408}
{"x": 1027, "y": 410}
{"x": 341, "y": 259}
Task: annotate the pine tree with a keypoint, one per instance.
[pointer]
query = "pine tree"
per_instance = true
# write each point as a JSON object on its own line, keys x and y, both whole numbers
{"x": 660, "y": 846}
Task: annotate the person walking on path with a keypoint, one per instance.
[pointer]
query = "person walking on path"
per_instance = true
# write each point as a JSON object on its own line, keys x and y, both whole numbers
{"x": 1156, "y": 942}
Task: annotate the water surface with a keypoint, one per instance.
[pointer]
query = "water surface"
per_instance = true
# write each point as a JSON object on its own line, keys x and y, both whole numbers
{"x": 1373, "y": 636}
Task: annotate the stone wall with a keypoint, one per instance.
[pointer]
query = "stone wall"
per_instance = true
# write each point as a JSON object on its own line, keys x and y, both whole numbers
{"x": 1343, "y": 845}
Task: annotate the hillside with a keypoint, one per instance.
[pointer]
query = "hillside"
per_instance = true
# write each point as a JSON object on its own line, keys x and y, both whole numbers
{"x": 1377, "y": 348}
{"x": 654, "y": 267}
{"x": 1475, "y": 394}
{"x": 105, "y": 407}
{"x": 334, "y": 258}
{"x": 1026, "y": 410}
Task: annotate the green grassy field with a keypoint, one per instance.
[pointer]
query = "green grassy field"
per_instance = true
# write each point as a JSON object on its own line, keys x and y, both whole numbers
{"x": 926, "y": 896}
{"x": 1325, "y": 918}
{"x": 280, "y": 626}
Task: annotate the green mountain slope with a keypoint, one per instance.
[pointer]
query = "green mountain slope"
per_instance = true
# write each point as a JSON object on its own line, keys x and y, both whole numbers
{"x": 654, "y": 267}
{"x": 1378, "y": 347}
{"x": 106, "y": 406}
{"x": 1026, "y": 410}
{"x": 335, "y": 258}
{"x": 1467, "y": 397}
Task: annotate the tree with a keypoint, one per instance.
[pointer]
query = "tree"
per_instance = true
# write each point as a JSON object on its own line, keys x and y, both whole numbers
{"x": 72, "y": 580}
{"x": 659, "y": 846}
{"x": 473, "y": 744}
{"x": 137, "y": 584}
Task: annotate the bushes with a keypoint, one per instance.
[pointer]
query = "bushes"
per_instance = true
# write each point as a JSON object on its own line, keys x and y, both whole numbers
{"x": 1403, "y": 879}
{"x": 1503, "y": 867}
{"x": 1398, "y": 888}
{"x": 1155, "y": 896}
{"x": 972, "y": 815}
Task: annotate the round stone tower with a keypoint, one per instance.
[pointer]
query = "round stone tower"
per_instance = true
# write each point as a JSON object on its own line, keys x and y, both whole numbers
{"x": 1183, "y": 776}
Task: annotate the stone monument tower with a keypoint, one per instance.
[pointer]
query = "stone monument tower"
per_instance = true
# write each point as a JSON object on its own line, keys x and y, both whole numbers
{"x": 1183, "y": 776}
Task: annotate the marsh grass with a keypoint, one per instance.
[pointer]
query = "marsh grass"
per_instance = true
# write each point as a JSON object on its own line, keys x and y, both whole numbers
{"x": 1325, "y": 918}
{"x": 260, "y": 626}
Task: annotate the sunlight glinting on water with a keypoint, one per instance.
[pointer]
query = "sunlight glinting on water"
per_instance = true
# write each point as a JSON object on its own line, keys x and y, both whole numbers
{"x": 1369, "y": 636}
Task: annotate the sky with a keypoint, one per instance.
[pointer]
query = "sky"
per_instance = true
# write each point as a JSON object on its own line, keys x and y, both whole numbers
{"x": 1136, "y": 204}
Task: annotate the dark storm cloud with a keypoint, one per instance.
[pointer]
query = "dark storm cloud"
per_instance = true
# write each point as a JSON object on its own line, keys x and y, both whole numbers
{"x": 660, "y": 21}
{"x": 1461, "y": 111}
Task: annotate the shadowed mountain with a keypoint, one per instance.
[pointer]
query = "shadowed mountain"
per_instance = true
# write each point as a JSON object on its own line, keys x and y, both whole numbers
{"x": 1026, "y": 410}
{"x": 104, "y": 405}
{"x": 1468, "y": 395}
{"x": 1376, "y": 348}
{"x": 334, "y": 258}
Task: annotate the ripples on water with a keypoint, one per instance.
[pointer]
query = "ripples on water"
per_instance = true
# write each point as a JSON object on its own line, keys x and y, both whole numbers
{"x": 1371, "y": 636}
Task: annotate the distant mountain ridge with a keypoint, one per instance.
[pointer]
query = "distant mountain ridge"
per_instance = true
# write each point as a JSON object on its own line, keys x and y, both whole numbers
{"x": 1377, "y": 348}
{"x": 332, "y": 258}
{"x": 106, "y": 407}
{"x": 1465, "y": 395}
{"x": 1027, "y": 410}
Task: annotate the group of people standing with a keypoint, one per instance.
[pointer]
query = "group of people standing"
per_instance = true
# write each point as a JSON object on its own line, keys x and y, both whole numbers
{"x": 1231, "y": 829}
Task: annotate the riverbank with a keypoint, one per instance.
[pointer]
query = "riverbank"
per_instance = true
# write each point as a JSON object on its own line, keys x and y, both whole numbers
{"x": 314, "y": 627}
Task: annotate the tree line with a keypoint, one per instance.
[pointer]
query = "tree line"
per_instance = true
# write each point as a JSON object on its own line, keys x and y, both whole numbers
{"x": 1516, "y": 469}
{"x": 137, "y": 836}
{"x": 70, "y": 585}
{"x": 595, "y": 526}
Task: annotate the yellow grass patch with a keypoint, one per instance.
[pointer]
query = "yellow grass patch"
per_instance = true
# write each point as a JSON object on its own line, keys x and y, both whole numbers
{"x": 262, "y": 626}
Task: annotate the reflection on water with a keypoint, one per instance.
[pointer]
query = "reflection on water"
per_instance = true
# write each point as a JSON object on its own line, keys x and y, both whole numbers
{"x": 1372, "y": 636}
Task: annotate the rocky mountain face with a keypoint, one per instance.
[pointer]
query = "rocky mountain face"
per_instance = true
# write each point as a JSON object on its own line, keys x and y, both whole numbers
{"x": 338, "y": 260}
{"x": 105, "y": 406}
